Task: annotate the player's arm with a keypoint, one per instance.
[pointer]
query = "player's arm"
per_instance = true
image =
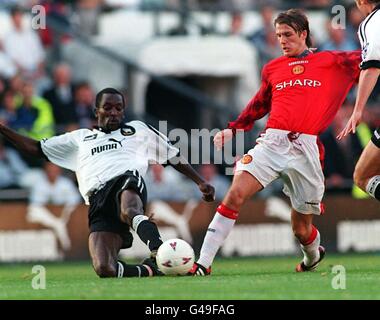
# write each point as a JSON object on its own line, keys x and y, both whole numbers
{"x": 256, "y": 108}
{"x": 370, "y": 71}
{"x": 367, "y": 81}
{"x": 185, "y": 168}
{"x": 22, "y": 143}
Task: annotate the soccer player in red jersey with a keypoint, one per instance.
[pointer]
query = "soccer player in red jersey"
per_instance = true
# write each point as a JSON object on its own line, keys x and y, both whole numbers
{"x": 367, "y": 170}
{"x": 302, "y": 91}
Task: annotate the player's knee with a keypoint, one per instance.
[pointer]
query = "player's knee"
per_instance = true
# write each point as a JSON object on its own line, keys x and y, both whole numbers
{"x": 104, "y": 270}
{"x": 128, "y": 213}
{"x": 359, "y": 179}
{"x": 235, "y": 198}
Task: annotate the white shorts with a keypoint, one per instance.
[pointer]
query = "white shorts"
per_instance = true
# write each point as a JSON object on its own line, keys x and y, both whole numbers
{"x": 295, "y": 161}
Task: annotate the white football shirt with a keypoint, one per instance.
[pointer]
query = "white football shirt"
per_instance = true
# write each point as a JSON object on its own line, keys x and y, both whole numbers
{"x": 96, "y": 157}
{"x": 370, "y": 41}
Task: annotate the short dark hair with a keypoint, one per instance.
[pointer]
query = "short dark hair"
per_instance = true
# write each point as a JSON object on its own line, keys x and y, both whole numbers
{"x": 297, "y": 20}
{"x": 15, "y": 9}
{"x": 99, "y": 96}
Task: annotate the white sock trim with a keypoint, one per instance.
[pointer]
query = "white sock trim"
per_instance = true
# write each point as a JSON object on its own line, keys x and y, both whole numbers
{"x": 150, "y": 271}
{"x": 372, "y": 184}
{"x": 120, "y": 269}
{"x": 137, "y": 220}
{"x": 139, "y": 270}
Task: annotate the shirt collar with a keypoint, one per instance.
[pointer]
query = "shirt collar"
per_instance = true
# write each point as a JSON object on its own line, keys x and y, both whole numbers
{"x": 303, "y": 54}
{"x": 122, "y": 125}
{"x": 105, "y": 130}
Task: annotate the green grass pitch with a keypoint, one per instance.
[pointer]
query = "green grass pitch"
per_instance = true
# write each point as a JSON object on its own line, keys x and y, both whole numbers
{"x": 238, "y": 279}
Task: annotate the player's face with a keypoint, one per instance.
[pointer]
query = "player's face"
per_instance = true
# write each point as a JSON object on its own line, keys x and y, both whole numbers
{"x": 110, "y": 113}
{"x": 291, "y": 42}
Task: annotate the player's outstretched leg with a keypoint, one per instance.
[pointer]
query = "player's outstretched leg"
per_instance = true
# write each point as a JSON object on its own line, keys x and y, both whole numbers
{"x": 104, "y": 248}
{"x": 132, "y": 212}
{"x": 243, "y": 186}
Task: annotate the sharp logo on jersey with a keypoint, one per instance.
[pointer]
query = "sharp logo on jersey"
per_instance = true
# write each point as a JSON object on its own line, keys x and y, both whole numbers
{"x": 103, "y": 148}
{"x": 127, "y": 131}
{"x": 299, "y": 83}
{"x": 298, "y": 69}
{"x": 91, "y": 137}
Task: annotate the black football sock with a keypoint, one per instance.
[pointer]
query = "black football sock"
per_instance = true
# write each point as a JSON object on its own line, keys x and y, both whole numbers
{"x": 148, "y": 233}
{"x": 377, "y": 192}
{"x": 132, "y": 270}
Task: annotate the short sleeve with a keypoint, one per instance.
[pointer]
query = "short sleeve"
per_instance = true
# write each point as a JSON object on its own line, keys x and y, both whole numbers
{"x": 62, "y": 150}
{"x": 371, "y": 48}
{"x": 160, "y": 149}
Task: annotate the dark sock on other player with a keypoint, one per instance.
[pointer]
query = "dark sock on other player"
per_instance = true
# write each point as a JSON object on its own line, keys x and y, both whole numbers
{"x": 131, "y": 270}
{"x": 377, "y": 192}
{"x": 148, "y": 233}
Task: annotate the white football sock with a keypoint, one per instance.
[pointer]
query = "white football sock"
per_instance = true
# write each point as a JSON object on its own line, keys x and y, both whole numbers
{"x": 217, "y": 232}
{"x": 311, "y": 251}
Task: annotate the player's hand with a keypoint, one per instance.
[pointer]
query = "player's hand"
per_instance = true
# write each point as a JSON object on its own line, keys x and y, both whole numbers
{"x": 222, "y": 137}
{"x": 208, "y": 191}
{"x": 351, "y": 125}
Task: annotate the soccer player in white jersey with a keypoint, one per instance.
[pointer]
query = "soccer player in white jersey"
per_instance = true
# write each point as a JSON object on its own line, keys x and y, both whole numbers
{"x": 110, "y": 162}
{"x": 367, "y": 170}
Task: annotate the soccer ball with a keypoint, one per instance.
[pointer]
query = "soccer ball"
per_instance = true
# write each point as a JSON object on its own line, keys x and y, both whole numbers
{"x": 175, "y": 257}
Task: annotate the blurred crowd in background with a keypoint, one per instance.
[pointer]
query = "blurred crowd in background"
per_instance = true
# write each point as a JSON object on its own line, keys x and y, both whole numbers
{"x": 39, "y": 98}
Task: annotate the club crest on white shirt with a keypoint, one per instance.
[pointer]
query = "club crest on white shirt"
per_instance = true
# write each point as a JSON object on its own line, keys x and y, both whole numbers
{"x": 127, "y": 131}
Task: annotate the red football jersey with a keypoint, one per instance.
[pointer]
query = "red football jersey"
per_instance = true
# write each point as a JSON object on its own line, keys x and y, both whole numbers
{"x": 302, "y": 94}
